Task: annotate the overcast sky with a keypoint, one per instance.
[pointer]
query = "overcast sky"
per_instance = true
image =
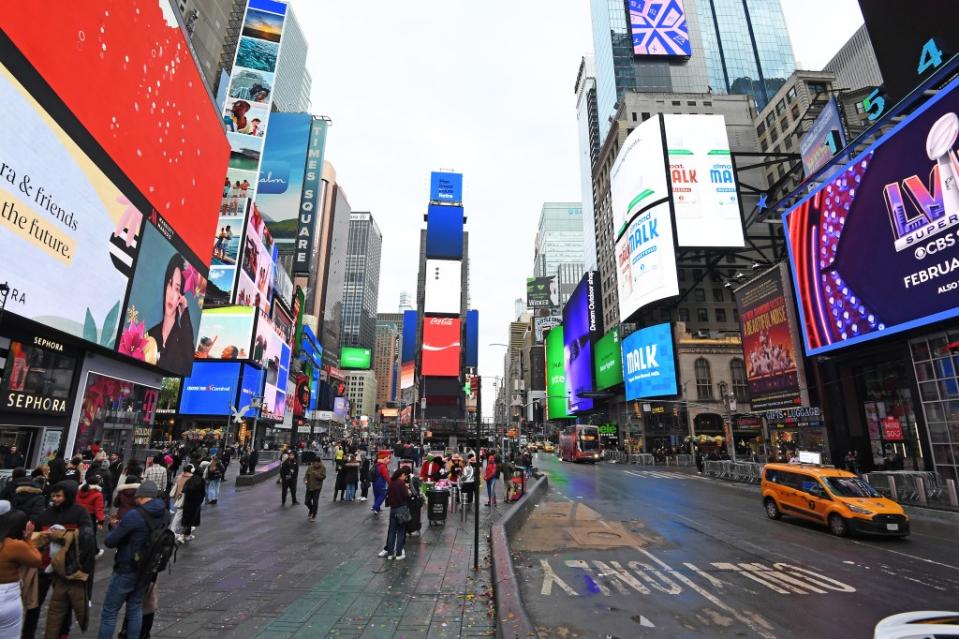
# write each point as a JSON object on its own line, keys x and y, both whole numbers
{"x": 485, "y": 89}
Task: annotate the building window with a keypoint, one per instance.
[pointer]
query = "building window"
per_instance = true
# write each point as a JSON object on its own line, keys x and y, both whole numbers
{"x": 761, "y": 128}
{"x": 780, "y": 107}
{"x": 763, "y": 145}
{"x": 718, "y": 295}
{"x": 677, "y": 103}
{"x": 704, "y": 380}
{"x": 690, "y": 102}
{"x": 795, "y": 112}
{"x": 634, "y": 116}
{"x": 721, "y": 315}
{"x": 645, "y": 116}
{"x": 737, "y": 369}
{"x": 770, "y": 119}
{"x": 700, "y": 294}
{"x": 791, "y": 94}
{"x": 702, "y": 315}
{"x": 735, "y": 315}
{"x": 664, "y": 315}
{"x": 683, "y": 314}
{"x": 707, "y": 103}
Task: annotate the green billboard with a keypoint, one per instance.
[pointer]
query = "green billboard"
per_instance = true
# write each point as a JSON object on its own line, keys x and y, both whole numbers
{"x": 354, "y": 357}
{"x": 555, "y": 375}
{"x": 608, "y": 360}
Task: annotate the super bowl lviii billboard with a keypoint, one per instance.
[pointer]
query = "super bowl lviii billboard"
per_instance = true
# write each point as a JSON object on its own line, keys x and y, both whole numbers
{"x": 875, "y": 250}
{"x": 649, "y": 362}
{"x": 642, "y": 224}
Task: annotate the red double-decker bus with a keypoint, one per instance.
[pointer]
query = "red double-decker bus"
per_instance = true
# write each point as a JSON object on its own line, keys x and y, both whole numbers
{"x": 580, "y": 443}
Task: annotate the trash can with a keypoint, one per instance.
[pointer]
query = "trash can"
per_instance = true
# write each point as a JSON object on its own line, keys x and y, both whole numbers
{"x": 437, "y": 504}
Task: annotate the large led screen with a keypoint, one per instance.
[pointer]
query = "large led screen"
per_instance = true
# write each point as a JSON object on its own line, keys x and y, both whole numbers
{"x": 766, "y": 318}
{"x": 443, "y": 280}
{"x": 355, "y": 357}
{"x": 211, "y": 389}
{"x": 472, "y": 339}
{"x": 874, "y": 251}
{"x": 608, "y": 360}
{"x": 580, "y": 327}
{"x": 649, "y": 362}
{"x": 705, "y": 201}
{"x": 444, "y": 232}
{"x": 446, "y": 187}
{"x": 256, "y": 274}
{"x": 659, "y": 28}
{"x": 645, "y": 255}
{"x": 556, "y": 404}
{"x": 272, "y": 353}
{"x": 408, "y": 359}
{"x": 441, "y": 347}
{"x": 226, "y": 333}
{"x": 281, "y": 173}
{"x": 251, "y": 386}
{"x": 125, "y": 71}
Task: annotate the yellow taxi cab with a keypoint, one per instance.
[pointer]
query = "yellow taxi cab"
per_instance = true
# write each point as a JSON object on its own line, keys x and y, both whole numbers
{"x": 549, "y": 448}
{"x": 837, "y": 498}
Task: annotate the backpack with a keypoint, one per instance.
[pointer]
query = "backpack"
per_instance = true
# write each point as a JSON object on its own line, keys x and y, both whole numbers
{"x": 155, "y": 555}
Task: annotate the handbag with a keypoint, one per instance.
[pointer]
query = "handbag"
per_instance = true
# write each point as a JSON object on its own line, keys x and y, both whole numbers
{"x": 402, "y": 514}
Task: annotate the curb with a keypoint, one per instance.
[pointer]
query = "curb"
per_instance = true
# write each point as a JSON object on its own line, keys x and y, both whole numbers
{"x": 512, "y": 622}
{"x": 272, "y": 469}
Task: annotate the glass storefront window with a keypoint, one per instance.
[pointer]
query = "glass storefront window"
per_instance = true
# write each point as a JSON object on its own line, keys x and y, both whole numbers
{"x": 36, "y": 380}
{"x": 936, "y": 371}
{"x": 117, "y": 413}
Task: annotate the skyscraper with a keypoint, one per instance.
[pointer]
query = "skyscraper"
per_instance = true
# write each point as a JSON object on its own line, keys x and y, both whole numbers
{"x": 361, "y": 281}
{"x": 291, "y": 88}
{"x": 214, "y": 28}
{"x": 406, "y": 302}
{"x": 736, "y": 46}
{"x": 386, "y": 357}
{"x": 559, "y": 237}
{"x": 589, "y": 143}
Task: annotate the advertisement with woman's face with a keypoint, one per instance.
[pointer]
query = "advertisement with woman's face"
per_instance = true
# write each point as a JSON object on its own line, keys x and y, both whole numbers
{"x": 163, "y": 315}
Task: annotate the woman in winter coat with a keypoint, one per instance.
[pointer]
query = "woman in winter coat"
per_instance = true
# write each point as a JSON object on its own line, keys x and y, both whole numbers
{"x": 90, "y": 496}
{"x": 123, "y": 496}
{"x": 177, "y": 498}
{"x": 339, "y": 487}
{"x": 194, "y": 491}
{"x": 213, "y": 476}
{"x": 16, "y": 555}
{"x": 351, "y": 477}
{"x": 366, "y": 476}
{"x": 490, "y": 476}
{"x": 468, "y": 479}
{"x": 397, "y": 497}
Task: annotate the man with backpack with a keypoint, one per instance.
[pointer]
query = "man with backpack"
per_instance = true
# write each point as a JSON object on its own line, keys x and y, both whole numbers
{"x": 144, "y": 546}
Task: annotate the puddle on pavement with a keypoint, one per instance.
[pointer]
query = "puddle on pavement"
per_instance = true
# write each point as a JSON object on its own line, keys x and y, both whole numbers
{"x": 559, "y": 525}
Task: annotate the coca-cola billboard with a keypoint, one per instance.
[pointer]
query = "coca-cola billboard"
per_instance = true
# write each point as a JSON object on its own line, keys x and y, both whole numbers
{"x": 441, "y": 347}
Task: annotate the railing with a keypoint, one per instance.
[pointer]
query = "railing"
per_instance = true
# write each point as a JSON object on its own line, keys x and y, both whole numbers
{"x": 746, "y": 472}
{"x": 920, "y": 488}
{"x": 621, "y": 457}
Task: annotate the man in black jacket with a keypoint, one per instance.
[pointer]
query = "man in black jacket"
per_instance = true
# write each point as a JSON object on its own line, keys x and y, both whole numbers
{"x": 289, "y": 470}
{"x": 64, "y": 512}
{"x": 27, "y": 496}
{"x": 128, "y": 585}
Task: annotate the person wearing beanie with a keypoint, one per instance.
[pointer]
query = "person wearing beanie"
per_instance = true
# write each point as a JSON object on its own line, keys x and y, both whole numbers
{"x": 127, "y": 584}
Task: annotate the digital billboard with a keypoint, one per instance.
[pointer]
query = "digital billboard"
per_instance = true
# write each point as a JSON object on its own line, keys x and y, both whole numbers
{"x": 581, "y": 318}
{"x": 443, "y": 286}
{"x": 408, "y": 359}
{"x": 257, "y": 260}
{"x": 159, "y": 128}
{"x": 765, "y": 316}
{"x": 281, "y": 173}
{"x": 608, "y": 360}
{"x": 542, "y": 292}
{"x": 814, "y": 145}
{"x": 210, "y": 389}
{"x": 556, "y": 404}
{"x": 441, "y": 347}
{"x": 471, "y": 359}
{"x": 659, "y": 28}
{"x": 703, "y": 182}
{"x": 251, "y": 385}
{"x": 311, "y": 198}
{"x": 649, "y": 362}
{"x": 354, "y": 357}
{"x": 873, "y": 251}
{"x": 543, "y": 324}
{"x": 444, "y": 232}
{"x": 226, "y": 333}
{"x": 645, "y": 254}
{"x": 272, "y": 351}
{"x": 446, "y": 187}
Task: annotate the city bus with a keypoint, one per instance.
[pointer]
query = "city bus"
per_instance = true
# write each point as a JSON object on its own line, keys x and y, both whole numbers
{"x": 580, "y": 443}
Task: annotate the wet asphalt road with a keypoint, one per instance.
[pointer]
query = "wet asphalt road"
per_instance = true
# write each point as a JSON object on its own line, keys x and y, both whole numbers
{"x": 659, "y": 552}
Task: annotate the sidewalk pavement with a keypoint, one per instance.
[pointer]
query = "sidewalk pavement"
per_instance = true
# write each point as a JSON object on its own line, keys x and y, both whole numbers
{"x": 257, "y": 569}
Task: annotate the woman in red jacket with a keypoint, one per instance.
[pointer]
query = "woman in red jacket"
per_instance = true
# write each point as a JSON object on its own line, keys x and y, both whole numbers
{"x": 90, "y": 496}
{"x": 490, "y": 476}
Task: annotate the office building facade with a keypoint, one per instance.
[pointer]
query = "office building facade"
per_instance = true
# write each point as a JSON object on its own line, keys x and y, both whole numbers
{"x": 214, "y": 29}
{"x": 855, "y": 64}
{"x": 587, "y": 125}
{"x": 361, "y": 392}
{"x": 559, "y": 237}
{"x": 386, "y": 357}
{"x": 291, "y": 88}
{"x": 361, "y": 281}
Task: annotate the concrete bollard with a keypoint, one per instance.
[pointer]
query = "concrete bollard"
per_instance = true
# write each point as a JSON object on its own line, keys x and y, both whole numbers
{"x": 893, "y": 493}
{"x": 951, "y": 489}
{"x": 921, "y": 490}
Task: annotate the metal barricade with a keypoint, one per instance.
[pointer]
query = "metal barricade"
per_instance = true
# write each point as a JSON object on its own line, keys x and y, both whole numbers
{"x": 922, "y": 488}
{"x": 685, "y": 460}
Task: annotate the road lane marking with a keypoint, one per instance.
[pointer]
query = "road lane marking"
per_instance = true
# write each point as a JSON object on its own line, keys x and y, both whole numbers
{"x": 750, "y": 575}
{"x": 816, "y": 578}
{"x": 903, "y": 554}
{"x": 749, "y": 620}
{"x": 782, "y": 579}
{"x": 660, "y": 474}
{"x": 713, "y": 581}
{"x": 615, "y": 570}
{"x": 591, "y": 581}
{"x": 550, "y": 578}
{"x": 665, "y": 584}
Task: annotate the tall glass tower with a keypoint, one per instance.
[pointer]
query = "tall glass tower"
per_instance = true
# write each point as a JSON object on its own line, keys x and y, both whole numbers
{"x": 738, "y": 46}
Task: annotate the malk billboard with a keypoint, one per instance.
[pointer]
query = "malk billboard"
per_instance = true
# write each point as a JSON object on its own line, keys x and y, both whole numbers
{"x": 767, "y": 324}
{"x": 441, "y": 347}
{"x": 645, "y": 254}
{"x": 875, "y": 250}
{"x": 556, "y": 404}
{"x": 649, "y": 362}
{"x": 703, "y": 182}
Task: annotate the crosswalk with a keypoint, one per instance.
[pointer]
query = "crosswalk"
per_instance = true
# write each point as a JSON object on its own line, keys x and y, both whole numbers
{"x": 661, "y": 474}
